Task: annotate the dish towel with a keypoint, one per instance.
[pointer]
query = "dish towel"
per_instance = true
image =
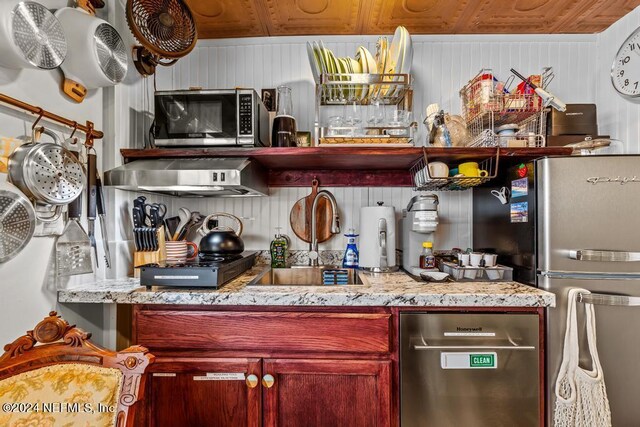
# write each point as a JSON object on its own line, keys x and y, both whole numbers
{"x": 581, "y": 396}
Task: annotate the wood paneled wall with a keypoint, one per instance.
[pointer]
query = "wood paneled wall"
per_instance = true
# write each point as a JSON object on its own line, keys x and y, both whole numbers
{"x": 441, "y": 65}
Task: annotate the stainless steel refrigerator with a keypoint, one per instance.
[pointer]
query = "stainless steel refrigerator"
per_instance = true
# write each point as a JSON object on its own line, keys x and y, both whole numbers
{"x": 576, "y": 223}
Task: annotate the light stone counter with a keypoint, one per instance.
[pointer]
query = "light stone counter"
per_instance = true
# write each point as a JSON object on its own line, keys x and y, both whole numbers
{"x": 391, "y": 289}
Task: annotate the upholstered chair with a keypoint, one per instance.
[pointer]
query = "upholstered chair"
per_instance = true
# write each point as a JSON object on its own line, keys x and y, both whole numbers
{"x": 55, "y": 376}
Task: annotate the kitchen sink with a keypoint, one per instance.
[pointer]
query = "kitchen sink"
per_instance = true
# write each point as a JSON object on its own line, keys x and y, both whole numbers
{"x": 308, "y": 276}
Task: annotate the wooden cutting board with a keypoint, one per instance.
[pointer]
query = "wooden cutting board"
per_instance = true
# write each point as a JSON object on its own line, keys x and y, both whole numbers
{"x": 301, "y": 216}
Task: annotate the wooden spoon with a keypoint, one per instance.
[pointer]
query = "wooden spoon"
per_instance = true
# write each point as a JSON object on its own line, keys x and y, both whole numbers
{"x": 300, "y": 216}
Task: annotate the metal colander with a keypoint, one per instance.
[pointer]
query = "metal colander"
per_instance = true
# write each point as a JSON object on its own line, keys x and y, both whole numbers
{"x": 17, "y": 224}
{"x": 112, "y": 54}
{"x": 53, "y": 174}
{"x": 38, "y": 34}
{"x": 166, "y": 28}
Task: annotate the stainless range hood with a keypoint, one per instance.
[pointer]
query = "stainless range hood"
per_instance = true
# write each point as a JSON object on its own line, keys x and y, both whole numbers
{"x": 205, "y": 177}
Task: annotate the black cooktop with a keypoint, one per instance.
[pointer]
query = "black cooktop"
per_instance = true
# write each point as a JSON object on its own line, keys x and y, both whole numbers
{"x": 210, "y": 272}
{"x": 202, "y": 262}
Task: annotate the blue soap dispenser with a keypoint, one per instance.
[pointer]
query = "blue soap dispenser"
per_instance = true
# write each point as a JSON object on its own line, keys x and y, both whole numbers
{"x": 350, "y": 259}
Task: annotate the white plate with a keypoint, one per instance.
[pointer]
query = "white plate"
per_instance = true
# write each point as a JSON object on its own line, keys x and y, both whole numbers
{"x": 373, "y": 69}
{"x": 394, "y": 63}
{"x": 313, "y": 63}
{"x": 355, "y": 68}
{"x": 407, "y": 53}
{"x": 361, "y": 57}
{"x": 396, "y": 55}
{"x": 318, "y": 51}
{"x": 371, "y": 62}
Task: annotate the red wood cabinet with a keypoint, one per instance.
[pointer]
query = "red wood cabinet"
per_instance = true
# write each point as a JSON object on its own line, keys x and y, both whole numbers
{"x": 327, "y": 393}
{"x": 309, "y": 368}
{"x": 186, "y": 392}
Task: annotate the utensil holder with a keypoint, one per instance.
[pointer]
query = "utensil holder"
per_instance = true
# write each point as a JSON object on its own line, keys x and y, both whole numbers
{"x": 150, "y": 257}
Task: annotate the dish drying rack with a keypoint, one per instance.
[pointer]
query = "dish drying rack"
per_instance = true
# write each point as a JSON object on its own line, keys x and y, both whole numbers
{"x": 487, "y": 105}
{"x": 423, "y": 181}
{"x": 362, "y": 91}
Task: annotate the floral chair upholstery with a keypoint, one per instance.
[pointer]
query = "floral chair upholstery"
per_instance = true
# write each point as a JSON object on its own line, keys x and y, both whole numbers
{"x": 55, "y": 376}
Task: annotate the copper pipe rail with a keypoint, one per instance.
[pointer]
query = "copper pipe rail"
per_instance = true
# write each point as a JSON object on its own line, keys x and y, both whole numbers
{"x": 87, "y": 129}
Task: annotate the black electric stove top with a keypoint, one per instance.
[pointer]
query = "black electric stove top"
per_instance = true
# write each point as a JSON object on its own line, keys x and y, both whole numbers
{"x": 207, "y": 272}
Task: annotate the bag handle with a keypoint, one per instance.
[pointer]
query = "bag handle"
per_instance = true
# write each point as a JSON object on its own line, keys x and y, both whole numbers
{"x": 570, "y": 352}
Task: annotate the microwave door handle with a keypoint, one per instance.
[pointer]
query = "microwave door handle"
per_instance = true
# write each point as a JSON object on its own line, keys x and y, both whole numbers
{"x": 612, "y": 300}
{"x": 604, "y": 256}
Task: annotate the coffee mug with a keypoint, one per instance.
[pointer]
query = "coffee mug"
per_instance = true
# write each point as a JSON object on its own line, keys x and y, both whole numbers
{"x": 177, "y": 251}
{"x": 475, "y": 259}
{"x": 438, "y": 170}
{"x": 463, "y": 259}
{"x": 471, "y": 169}
{"x": 490, "y": 260}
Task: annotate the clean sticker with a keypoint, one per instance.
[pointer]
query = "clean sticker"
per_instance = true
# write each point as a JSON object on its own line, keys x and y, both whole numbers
{"x": 520, "y": 212}
{"x": 476, "y": 360}
{"x": 519, "y": 188}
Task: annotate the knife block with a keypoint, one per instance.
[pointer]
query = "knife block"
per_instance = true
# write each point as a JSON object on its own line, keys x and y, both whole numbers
{"x": 150, "y": 257}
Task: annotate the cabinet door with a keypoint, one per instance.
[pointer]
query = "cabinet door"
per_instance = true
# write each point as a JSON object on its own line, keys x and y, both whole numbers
{"x": 204, "y": 392}
{"x": 327, "y": 393}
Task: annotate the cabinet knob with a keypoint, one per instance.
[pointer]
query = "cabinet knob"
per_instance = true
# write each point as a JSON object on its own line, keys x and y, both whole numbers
{"x": 252, "y": 381}
{"x": 268, "y": 381}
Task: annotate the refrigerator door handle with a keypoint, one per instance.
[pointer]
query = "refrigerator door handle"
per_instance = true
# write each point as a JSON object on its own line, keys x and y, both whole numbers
{"x": 604, "y": 256}
{"x": 603, "y": 299}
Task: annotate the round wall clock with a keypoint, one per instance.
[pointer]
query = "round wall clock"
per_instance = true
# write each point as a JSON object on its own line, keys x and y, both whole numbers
{"x": 625, "y": 71}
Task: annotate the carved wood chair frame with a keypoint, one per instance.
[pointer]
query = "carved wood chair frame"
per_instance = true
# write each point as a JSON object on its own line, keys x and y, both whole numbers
{"x": 53, "y": 341}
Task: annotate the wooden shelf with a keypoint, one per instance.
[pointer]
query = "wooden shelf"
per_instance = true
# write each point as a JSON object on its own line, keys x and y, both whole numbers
{"x": 345, "y": 166}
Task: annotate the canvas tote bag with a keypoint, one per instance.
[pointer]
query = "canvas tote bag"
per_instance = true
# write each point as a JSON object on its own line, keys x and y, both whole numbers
{"x": 581, "y": 396}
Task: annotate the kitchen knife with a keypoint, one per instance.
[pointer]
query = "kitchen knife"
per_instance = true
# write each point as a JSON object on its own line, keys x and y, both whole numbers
{"x": 137, "y": 223}
{"x": 91, "y": 202}
{"x": 139, "y": 202}
{"x": 103, "y": 220}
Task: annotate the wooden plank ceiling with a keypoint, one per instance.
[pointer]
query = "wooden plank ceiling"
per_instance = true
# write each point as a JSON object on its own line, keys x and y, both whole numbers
{"x": 250, "y": 18}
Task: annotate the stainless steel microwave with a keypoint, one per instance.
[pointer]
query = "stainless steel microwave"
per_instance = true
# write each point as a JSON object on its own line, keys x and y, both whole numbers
{"x": 212, "y": 117}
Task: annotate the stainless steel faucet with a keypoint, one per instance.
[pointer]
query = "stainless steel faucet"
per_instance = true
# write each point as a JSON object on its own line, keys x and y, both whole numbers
{"x": 335, "y": 224}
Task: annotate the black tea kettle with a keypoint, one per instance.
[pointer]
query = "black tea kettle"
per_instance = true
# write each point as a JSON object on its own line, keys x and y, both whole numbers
{"x": 220, "y": 241}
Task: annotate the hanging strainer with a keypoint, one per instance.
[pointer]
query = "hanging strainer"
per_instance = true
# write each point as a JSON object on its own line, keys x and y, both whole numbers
{"x": 47, "y": 172}
{"x": 17, "y": 222}
{"x": 38, "y": 35}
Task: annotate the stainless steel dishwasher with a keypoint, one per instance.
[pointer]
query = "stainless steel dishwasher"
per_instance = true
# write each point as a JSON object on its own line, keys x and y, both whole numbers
{"x": 468, "y": 369}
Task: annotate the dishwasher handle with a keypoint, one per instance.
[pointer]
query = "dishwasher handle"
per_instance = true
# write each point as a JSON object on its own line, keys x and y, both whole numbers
{"x": 509, "y": 346}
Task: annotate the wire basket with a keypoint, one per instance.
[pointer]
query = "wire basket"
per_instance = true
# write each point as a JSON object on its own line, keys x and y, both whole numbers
{"x": 531, "y": 134}
{"x": 423, "y": 181}
{"x": 490, "y": 103}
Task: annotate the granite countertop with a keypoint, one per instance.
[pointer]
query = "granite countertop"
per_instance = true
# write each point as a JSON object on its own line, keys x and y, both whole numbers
{"x": 388, "y": 289}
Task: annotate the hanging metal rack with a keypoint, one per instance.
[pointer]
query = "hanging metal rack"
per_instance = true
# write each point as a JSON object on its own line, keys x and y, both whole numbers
{"x": 87, "y": 128}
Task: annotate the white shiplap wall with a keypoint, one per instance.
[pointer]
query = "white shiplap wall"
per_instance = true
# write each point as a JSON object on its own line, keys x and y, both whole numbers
{"x": 617, "y": 116}
{"x": 441, "y": 65}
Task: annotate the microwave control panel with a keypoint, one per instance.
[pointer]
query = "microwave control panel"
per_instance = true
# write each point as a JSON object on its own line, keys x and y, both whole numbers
{"x": 245, "y": 116}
